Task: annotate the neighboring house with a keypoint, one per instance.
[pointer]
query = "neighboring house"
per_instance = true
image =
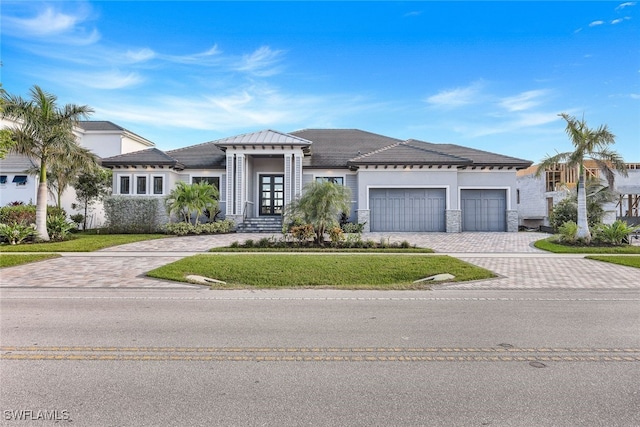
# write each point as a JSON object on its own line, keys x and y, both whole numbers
{"x": 537, "y": 196}
{"x": 103, "y": 138}
{"x": 396, "y": 185}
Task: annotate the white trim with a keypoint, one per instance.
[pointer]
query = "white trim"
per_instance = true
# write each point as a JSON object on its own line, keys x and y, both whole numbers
{"x": 447, "y": 191}
{"x": 135, "y": 184}
{"x": 119, "y": 184}
{"x": 152, "y": 185}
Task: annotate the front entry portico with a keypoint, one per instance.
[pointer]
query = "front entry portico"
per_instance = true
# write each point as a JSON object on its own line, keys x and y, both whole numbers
{"x": 264, "y": 173}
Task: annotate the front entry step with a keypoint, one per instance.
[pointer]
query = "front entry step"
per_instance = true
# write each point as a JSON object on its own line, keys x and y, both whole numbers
{"x": 262, "y": 224}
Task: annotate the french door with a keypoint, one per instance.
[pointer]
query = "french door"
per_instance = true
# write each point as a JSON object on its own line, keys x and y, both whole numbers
{"x": 271, "y": 195}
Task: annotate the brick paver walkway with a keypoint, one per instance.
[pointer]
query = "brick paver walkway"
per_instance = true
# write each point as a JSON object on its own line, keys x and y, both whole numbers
{"x": 510, "y": 255}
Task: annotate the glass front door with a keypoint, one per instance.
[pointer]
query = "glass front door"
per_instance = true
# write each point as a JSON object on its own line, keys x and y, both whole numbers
{"x": 271, "y": 194}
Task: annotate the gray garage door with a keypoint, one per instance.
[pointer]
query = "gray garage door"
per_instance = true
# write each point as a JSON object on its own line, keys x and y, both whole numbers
{"x": 484, "y": 210}
{"x": 407, "y": 209}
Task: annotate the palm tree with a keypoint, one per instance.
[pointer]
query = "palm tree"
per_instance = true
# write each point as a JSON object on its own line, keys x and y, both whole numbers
{"x": 44, "y": 133}
{"x": 589, "y": 144}
{"x": 320, "y": 205}
{"x": 186, "y": 199}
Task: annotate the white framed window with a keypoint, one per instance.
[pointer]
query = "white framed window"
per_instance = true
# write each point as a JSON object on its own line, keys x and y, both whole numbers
{"x": 3, "y": 179}
{"x": 158, "y": 184}
{"x": 124, "y": 184}
{"x": 141, "y": 184}
{"x": 334, "y": 179}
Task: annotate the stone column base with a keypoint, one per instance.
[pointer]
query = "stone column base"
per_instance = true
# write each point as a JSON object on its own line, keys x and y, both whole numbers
{"x": 512, "y": 221}
{"x": 454, "y": 221}
{"x": 363, "y": 218}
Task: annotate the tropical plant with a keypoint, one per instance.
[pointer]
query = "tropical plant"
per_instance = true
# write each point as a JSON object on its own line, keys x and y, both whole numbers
{"x": 43, "y": 133}
{"x": 91, "y": 186}
{"x": 58, "y": 227}
{"x": 321, "y": 205}
{"x": 616, "y": 233}
{"x": 187, "y": 199}
{"x": 568, "y": 232}
{"x": 17, "y": 232}
{"x": 588, "y": 144}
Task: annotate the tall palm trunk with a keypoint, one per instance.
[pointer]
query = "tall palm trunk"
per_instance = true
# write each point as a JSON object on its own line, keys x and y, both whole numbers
{"x": 583, "y": 223}
{"x": 41, "y": 205}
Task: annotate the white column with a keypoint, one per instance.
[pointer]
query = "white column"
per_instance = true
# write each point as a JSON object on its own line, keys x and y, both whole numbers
{"x": 297, "y": 174}
{"x": 287, "y": 179}
{"x": 240, "y": 188}
{"x": 230, "y": 206}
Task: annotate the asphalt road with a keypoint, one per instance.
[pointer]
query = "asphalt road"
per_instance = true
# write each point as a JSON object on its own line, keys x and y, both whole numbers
{"x": 328, "y": 358}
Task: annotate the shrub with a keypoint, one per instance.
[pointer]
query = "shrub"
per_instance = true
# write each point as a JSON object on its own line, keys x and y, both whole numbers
{"x": 303, "y": 232}
{"x": 133, "y": 214}
{"x": 16, "y": 233}
{"x": 567, "y": 210}
{"x": 58, "y": 227}
{"x": 568, "y": 232}
{"x": 614, "y": 234}
{"x": 336, "y": 235}
{"x": 352, "y": 227}
{"x": 25, "y": 214}
{"x": 185, "y": 228}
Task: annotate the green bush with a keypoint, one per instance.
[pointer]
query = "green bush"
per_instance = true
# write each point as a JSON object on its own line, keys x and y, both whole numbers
{"x": 25, "y": 214}
{"x": 16, "y": 233}
{"x": 58, "y": 227}
{"x": 133, "y": 215}
{"x": 568, "y": 232}
{"x": 352, "y": 227}
{"x": 184, "y": 228}
{"x": 567, "y": 210}
{"x": 614, "y": 234}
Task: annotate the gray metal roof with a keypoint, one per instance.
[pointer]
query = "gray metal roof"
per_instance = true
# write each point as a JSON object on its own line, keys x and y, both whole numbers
{"x": 264, "y": 137}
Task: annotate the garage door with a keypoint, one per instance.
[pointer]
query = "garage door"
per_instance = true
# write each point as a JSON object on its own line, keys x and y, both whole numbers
{"x": 407, "y": 209}
{"x": 484, "y": 210}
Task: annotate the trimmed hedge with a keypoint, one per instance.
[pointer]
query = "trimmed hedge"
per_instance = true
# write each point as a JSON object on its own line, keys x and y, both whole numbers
{"x": 132, "y": 215}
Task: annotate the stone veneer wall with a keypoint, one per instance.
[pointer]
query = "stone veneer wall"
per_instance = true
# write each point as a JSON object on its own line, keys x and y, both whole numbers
{"x": 512, "y": 221}
{"x": 454, "y": 221}
{"x": 363, "y": 218}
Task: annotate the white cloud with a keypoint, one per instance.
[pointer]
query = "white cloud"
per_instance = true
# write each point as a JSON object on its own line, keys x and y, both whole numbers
{"x": 260, "y": 62}
{"x": 54, "y": 26}
{"x": 626, "y": 4}
{"x": 457, "y": 97}
{"x": 523, "y": 101}
{"x": 140, "y": 55}
{"x": 596, "y": 23}
{"x": 109, "y": 80}
{"x": 413, "y": 13}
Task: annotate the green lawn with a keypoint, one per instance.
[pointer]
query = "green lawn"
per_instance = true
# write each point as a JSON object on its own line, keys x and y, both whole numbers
{"x": 11, "y": 260}
{"x": 353, "y": 271}
{"x": 548, "y": 245}
{"x": 82, "y": 243}
{"x": 629, "y": 261}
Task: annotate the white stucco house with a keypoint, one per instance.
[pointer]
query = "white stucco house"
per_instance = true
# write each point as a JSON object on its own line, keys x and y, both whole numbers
{"x": 537, "y": 196}
{"x": 396, "y": 185}
{"x": 103, "y": 138}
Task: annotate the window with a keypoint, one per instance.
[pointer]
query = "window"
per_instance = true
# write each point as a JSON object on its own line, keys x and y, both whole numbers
{"x": 334, "y": 179}
{"x": 158, "y": 187}
{"x": 125, "y": 183}
{"x": 20, "y": 179}
{"x": 3, "y": 179}
{"x": 518, "y": 195}
{"x": 211, "y": 180}
{"x": 141, "y": 185}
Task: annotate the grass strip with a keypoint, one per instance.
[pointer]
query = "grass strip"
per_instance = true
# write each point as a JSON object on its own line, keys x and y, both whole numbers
{"x": 355, "y": 271}
{"x": 11, "y": 260}
{"x": 548, "y": 245}
{"x": 82, "y": 243}
{"x": 629, "y": 261}
{"x": 326, "y": 249}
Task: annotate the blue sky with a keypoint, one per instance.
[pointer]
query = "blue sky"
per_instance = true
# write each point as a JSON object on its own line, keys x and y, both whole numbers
{"x": 488, "y": 75}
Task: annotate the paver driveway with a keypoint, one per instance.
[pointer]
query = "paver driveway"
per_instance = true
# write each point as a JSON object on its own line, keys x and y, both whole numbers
{"x": 510, "y": 255}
